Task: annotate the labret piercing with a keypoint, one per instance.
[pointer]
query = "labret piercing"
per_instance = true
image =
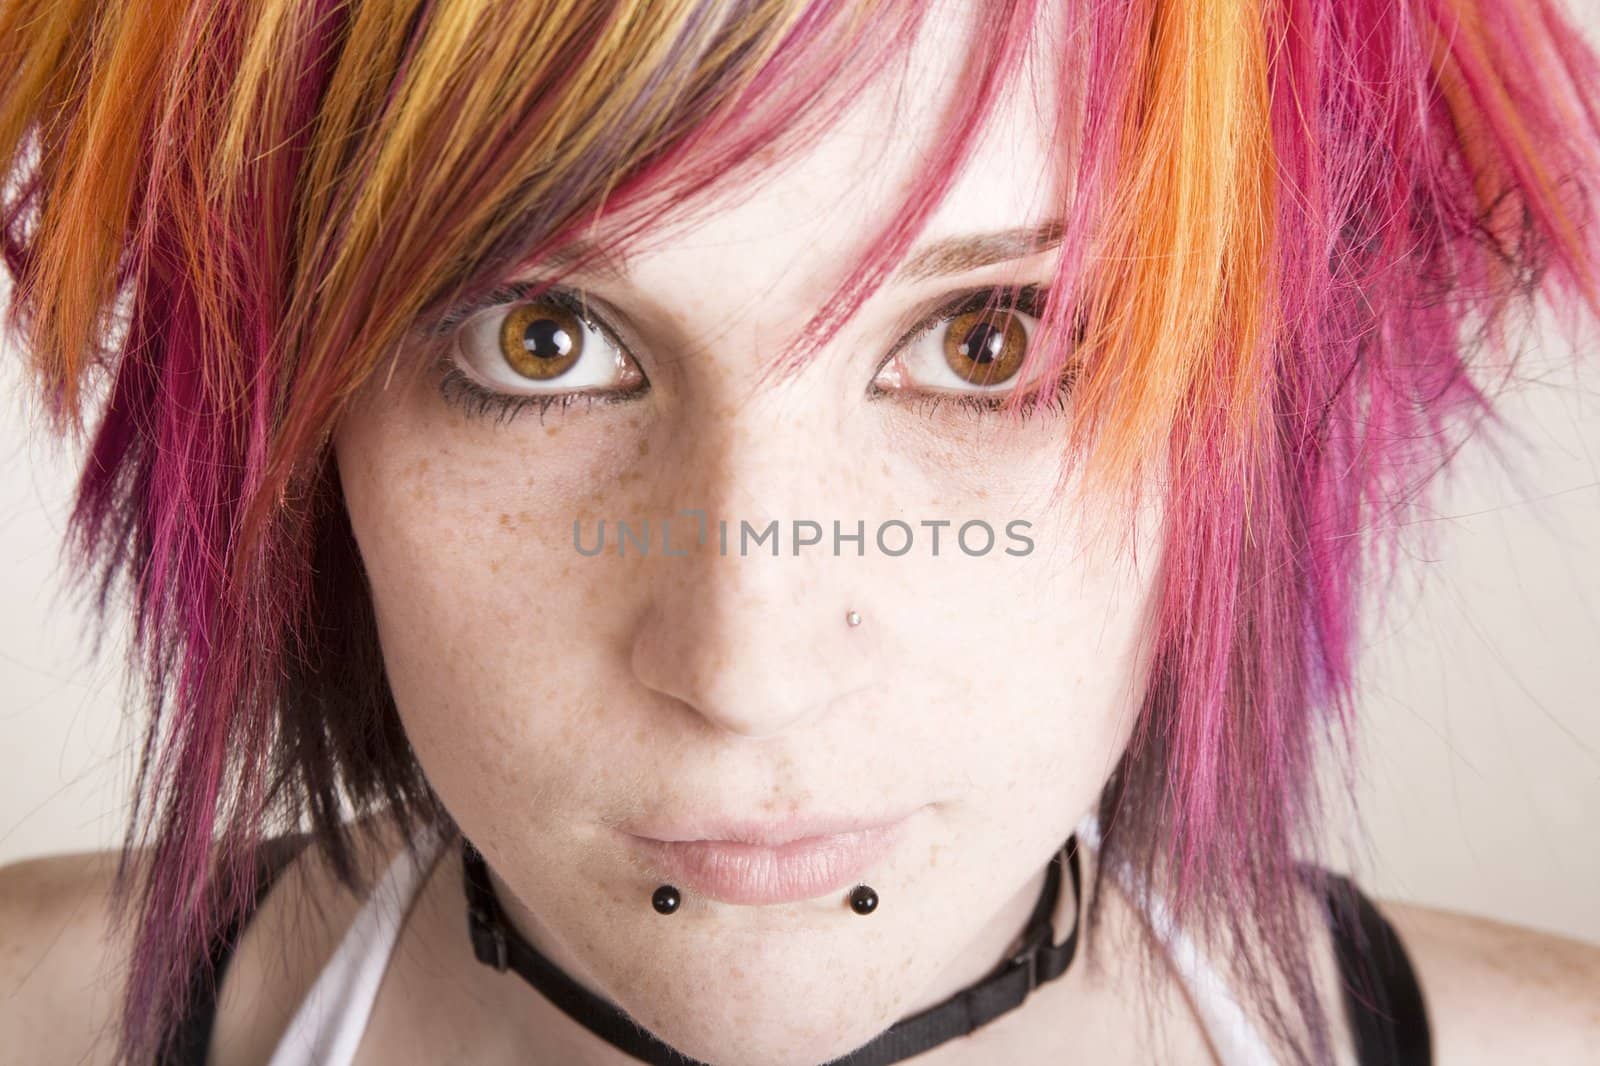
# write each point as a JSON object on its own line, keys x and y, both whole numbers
{"x": 665, "y": 899}
{"x": 863, "y": 900}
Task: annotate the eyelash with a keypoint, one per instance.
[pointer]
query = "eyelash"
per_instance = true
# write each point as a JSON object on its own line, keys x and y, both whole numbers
{"x": 1055, "y": 401}
{"x": 1031, "y": 300}
{"x": 477, "y": 402}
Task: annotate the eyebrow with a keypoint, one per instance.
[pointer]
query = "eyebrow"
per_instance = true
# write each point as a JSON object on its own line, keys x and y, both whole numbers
{"x": 592, "y": 256}
{"x": 954, "y": 255}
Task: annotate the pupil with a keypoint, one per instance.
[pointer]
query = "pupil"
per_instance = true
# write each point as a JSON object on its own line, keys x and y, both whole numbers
{"x": 983, "y": 343}
{"x": 545, "y": 339}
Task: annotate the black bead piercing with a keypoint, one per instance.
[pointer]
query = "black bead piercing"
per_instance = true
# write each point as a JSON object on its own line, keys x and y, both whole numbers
{"x": 665, "y": 899}
{"x": 863, "y": 900}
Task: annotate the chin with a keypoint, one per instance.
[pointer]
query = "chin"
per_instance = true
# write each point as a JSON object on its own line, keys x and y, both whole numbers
{"x": 738, "y": 1013}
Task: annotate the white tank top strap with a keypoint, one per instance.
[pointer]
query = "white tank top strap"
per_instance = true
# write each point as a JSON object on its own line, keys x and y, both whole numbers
{"x": 1235, "y": 1038}
{"x": 328, "y": 1027}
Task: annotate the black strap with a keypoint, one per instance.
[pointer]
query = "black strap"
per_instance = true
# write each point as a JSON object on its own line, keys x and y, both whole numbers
{"x": 1382, "y": 1000}
{"x": 190, "y": 1039}
{"x": 1037, "y": 960}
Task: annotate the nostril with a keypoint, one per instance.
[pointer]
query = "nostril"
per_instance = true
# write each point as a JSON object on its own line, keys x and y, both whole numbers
{"x": 744, "y": 663}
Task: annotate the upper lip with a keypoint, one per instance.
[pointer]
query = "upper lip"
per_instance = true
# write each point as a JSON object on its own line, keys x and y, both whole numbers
{"x": 766, "y": 833}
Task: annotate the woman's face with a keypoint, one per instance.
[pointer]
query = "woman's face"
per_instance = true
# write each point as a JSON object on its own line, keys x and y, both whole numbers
{"x": 556, "y": 699}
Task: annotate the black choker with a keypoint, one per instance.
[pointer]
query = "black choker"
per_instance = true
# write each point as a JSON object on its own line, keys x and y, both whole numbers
{"x": 1038, "y": 960}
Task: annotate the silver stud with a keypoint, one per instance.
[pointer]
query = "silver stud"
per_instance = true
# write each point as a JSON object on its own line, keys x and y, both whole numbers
{"x": 852, "y": 618}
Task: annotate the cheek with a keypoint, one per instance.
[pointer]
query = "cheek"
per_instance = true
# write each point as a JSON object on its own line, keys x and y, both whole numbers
{"x": 1027, "y": 670}
{"x": 1026, "y": 674}
{"x": 465, "y": 531}
{"x": 1048, "y": 637}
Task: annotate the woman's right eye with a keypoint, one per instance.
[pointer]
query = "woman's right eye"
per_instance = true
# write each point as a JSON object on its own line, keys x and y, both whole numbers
{"x": 549, "y": 346}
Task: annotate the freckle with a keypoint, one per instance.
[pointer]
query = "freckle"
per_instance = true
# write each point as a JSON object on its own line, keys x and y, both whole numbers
{"x": 505, "y": 520}
{"x": 644, "y": 447}
{"x": 551, "y": 431}
{"x": 494, "y": 566}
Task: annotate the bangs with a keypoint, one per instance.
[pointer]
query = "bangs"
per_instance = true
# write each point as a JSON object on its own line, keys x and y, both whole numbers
{"x": 628, "y": 147}
{"x": 1291, "y": 232}
{"x": 541, "y": 128}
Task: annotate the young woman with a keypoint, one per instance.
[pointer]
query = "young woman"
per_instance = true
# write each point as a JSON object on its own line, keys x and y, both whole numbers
{"x": 762, "y": 531}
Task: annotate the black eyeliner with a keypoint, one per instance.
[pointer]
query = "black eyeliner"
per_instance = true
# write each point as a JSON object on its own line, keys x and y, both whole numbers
{"x": 460, "y": 390}
{"x": 1031, "y": 300}
{"x": 477, "y": 402}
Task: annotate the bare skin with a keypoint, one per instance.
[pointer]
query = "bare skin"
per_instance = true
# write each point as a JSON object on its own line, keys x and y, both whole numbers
{"x": 552, "y": 697}
{"x": 1495, "y": 992}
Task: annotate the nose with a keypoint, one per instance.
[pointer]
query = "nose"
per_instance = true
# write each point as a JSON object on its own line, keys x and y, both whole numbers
{"x": 756, "y": 644}
{"x": 748, "y": 657}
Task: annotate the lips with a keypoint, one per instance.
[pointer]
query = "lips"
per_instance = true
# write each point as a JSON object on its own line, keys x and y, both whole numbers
{"x": 753, "y": 874}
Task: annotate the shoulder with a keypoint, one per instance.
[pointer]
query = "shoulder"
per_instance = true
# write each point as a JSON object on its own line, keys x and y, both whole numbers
{"x": 61, "y": 960}
{"x": 289, "y": 940}
{"x": 1497, "y": 992}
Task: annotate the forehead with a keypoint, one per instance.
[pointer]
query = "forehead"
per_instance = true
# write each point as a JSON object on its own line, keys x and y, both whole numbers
{"x": 810, "y": 216}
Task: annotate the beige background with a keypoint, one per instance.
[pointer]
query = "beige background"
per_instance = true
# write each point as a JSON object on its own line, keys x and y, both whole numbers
{"x": 1480, "y": 786}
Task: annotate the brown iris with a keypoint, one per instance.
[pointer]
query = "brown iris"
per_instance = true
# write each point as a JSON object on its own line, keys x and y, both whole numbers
{"x": 541, "y": 340}
{"x": 985, "y": 347}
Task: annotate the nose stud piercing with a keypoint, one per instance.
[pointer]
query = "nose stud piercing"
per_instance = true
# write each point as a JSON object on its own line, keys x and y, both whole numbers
{"x": 863, "y": 900}
{"x": 852, "y": 618}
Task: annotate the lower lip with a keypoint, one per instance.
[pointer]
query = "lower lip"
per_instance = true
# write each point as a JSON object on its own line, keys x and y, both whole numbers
{"x": 752, "y": 875}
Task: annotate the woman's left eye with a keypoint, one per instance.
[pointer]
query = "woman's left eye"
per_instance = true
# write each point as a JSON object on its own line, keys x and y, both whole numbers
{"x": 973, "y": 347}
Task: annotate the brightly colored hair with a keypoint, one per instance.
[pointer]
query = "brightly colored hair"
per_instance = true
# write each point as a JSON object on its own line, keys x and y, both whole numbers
{"x": 1293, "y": 229}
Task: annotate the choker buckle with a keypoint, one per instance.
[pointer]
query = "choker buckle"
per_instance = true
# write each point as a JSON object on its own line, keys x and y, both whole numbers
{"x": 488, "y": 939}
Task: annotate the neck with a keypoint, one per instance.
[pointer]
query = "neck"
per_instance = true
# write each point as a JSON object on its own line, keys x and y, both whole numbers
{"x": 506, "y": 1019}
